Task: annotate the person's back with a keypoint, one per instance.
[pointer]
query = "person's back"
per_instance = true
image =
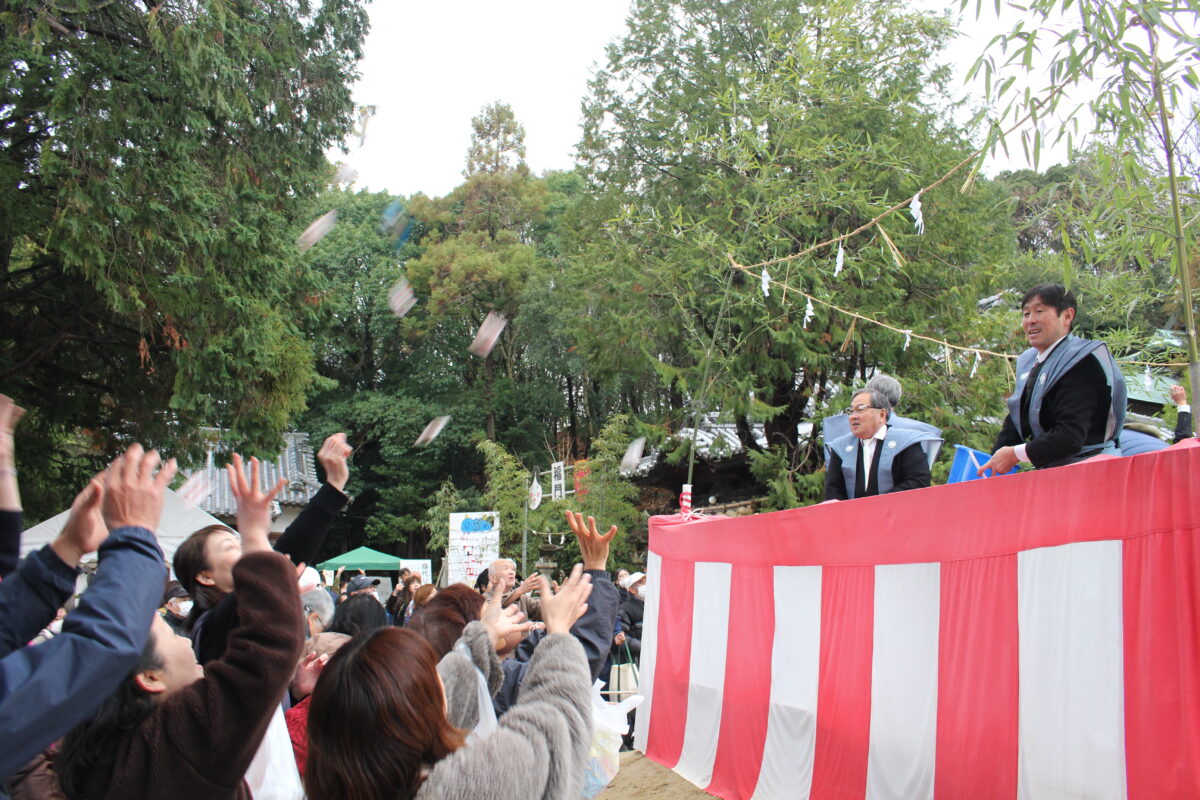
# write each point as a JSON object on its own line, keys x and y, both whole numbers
{"x": 1135, "y": 442}
{"x": 379, "y": 727}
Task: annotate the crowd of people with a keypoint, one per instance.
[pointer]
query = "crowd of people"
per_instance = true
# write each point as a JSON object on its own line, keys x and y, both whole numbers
{"x": 244, "y": 677}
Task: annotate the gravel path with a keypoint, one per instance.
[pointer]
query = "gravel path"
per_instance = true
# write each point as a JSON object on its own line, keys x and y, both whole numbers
{"x": 642, "y": 779}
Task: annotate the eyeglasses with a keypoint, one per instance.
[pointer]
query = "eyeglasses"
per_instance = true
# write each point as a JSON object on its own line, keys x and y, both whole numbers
{"x": 858, "y": 409}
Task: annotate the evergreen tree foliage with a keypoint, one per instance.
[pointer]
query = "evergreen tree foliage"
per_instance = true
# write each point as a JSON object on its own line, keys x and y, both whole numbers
{"x": 154, "y": 163}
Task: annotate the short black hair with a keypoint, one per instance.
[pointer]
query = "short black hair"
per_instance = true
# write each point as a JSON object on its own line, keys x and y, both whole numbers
{"x": 360, "y": 613}
{"x": 1051, "y": 294}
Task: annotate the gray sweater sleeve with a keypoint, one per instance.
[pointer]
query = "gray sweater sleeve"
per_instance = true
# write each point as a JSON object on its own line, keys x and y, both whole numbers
{"x": 542, "y": 742}
{"x": 458, "y": 674}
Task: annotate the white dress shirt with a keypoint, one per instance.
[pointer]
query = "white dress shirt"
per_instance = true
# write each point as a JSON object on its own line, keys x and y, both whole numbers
{"x": 869, "y": 447}
{"x": 1041, "y": 359}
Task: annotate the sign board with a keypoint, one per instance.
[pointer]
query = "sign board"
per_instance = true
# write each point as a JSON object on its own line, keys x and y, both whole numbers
{"x": 422, "y": 566}
{"x": 474, "y": 545}
{"x": 558, "y": 480}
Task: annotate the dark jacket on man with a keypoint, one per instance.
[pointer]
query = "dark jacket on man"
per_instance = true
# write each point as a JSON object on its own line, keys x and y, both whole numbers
{"x": 593, "y": 630}
{"x": 910, "y": 470}
{"x": 1074, "y": 415}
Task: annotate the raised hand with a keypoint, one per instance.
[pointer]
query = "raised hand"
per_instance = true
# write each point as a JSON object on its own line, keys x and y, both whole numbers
{"x": 530, "y": 584}
{"x": 85, "y": 530}
{"x": 307, "y": 673}
{"x": 253, "y": 504}
{"x": 10, "y": 415}
{"x": 133, "y": 494}
{"x": 1178, "y": 395}
{"x": 560, "y": 610}
{"x": 506, "y": 626}
{"x": 592, "y": 546}
{"x": 333, "y": 455}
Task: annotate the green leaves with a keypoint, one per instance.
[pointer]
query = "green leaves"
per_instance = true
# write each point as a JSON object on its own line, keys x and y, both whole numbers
{"x": 156, "y": 169}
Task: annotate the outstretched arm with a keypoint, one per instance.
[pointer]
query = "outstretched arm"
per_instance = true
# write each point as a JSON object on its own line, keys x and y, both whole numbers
{"x": 48, "y": 689}
{"x": 594, "y": 629}
{"x": 1183, "y": 421}
{"x": 302, "y": 540}
{"x": 10, "y": 496}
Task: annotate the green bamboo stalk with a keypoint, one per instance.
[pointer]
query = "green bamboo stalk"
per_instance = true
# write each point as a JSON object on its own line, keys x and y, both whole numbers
{"x": 1184, "y": 271}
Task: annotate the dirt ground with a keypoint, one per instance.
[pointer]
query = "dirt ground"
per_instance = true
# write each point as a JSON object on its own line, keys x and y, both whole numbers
{"x": 641, "y": 779}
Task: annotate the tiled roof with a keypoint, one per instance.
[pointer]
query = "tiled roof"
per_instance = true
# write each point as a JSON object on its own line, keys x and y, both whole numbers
{"x": 296, "y": 462}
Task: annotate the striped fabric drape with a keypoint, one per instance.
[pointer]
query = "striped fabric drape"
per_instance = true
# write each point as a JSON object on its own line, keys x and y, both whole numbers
{"x": 1030, "y": 637}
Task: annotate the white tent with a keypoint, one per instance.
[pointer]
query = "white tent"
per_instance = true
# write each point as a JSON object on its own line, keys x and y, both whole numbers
{"x": 179, "y": 520}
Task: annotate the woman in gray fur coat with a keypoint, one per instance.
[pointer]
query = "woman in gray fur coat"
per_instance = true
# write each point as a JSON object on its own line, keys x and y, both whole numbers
{"x": 378, "y": 727}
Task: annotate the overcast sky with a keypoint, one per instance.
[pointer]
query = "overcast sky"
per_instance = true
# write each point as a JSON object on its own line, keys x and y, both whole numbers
{"x": 429, "y": 68}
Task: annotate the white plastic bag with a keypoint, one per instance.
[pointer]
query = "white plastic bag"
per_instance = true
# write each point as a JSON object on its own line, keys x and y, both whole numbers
{"x": 610, "y": 721}
{"x": 273, "y": 774}
{"x": 487, "y": 712}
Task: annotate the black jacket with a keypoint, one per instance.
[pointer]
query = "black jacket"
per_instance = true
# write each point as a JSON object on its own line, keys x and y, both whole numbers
{"x": 1074, "y": 413}
{"x": 633, "y": 608}
{"x": 300, "y": 542}
{"x": 594, "y": 630}
{"x": 910, "y": 470}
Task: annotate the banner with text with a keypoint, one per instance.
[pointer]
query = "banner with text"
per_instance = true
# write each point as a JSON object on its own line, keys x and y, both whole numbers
{"x": 474, "y": 545}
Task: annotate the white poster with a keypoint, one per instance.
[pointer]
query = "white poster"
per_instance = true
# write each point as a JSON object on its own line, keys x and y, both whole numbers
{"x": 474, "y": 545}
{"x": 421, "y": 566}
{"x": 558, "y": 480}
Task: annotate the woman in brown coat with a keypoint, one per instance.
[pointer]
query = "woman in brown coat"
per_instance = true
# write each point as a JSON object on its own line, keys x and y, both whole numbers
{"x": 174, "y": 730}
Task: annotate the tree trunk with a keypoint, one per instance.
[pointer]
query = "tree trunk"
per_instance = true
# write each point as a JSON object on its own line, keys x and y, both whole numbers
{"x": 489, "y": 372}
{"x": 572, "y": 413}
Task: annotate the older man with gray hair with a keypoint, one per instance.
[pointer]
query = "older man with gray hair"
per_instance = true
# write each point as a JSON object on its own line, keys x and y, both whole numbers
{"x": 875, "y": 457}
{"x": 839, "y": 425}
{"x": 318, "y": 610}
{"x": 506, "y": 569}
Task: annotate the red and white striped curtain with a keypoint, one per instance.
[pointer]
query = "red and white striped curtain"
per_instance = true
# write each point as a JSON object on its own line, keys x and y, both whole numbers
{"x": 1030, "y": 637}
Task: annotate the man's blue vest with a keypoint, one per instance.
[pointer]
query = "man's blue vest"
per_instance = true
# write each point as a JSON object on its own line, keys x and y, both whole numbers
{"x": 1069, "y": 352}
{"x": 837, "y": 426}
{"x": 897, "y": 440}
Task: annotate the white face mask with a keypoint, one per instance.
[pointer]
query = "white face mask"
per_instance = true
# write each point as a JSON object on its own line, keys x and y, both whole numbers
{"x": 185, "y": 608}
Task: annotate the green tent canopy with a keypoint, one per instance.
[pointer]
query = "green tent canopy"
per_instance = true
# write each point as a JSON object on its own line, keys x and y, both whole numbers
{"x": 363, "y": 558}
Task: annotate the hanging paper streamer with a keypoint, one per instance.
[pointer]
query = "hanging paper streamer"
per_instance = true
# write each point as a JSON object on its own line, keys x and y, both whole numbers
{"x": 316, "y": 232}
{"x": 907, "y": 339}
{"x": 808, "y": 313}
{"x": 841, "y": 261}
{"x": 364, "y": 116}
{"x": 914, "y": 208}
{"x": 949, "y": 359}
{"x": 766, "y": 283}
{"x": 1148, "y": 379}
{"x": 975, "y": 364}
